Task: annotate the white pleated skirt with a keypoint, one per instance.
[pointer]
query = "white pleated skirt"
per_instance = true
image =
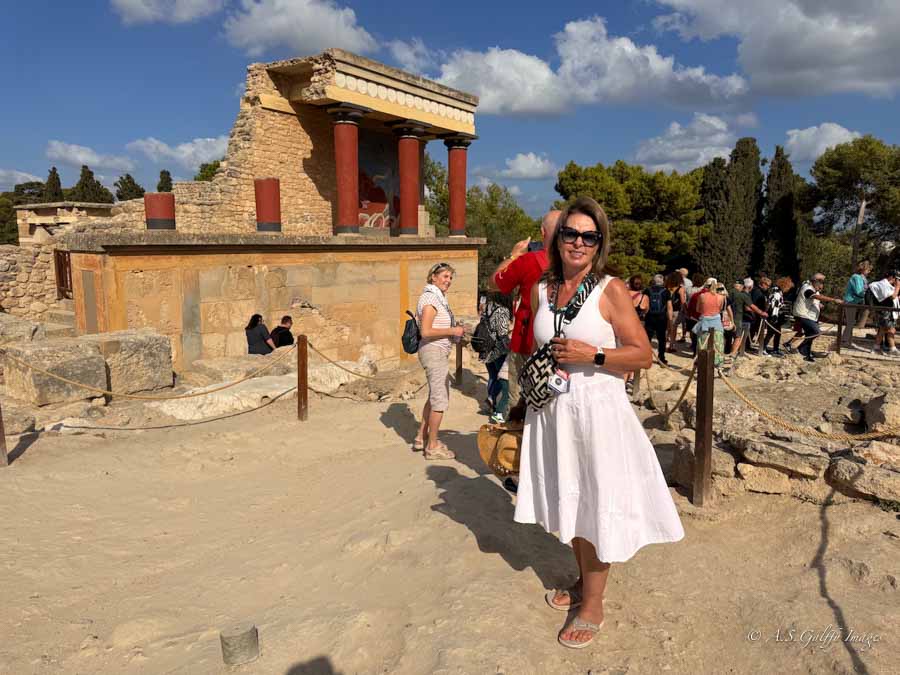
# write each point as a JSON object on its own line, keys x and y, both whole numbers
{"x": 588, "y": 470}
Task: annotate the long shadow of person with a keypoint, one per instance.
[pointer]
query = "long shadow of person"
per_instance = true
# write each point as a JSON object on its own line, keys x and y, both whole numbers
{"x": 486, "y": 510}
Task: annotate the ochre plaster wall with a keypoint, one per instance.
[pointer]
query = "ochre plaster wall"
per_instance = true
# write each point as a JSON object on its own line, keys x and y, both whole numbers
{"x": 203, "y": 300}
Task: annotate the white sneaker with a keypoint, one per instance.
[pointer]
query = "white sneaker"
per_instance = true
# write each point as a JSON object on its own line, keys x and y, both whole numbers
{"x": 894, "y": 352}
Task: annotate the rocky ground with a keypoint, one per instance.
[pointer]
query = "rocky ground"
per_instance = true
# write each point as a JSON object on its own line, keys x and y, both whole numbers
{"x": 127, "y": 551}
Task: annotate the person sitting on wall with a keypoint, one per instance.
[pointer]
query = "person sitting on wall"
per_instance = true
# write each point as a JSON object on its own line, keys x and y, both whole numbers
{"x": 258, "y": 339}
{"x": 281, "y": 335}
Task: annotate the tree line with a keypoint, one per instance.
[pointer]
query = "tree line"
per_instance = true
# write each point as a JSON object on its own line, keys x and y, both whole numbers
{"x": 87, "y": 189}
{"x": 747, "y": 215}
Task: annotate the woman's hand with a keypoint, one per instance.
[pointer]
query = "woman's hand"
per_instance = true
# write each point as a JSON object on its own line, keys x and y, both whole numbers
{"x": 572, "y": 351}
{"x": 458, "y": 331}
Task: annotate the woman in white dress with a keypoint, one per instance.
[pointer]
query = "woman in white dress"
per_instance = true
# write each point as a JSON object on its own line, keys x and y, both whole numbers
{"x": 587, "y": 469}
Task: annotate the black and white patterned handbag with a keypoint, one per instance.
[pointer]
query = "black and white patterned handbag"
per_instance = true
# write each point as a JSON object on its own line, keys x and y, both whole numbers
{"x": 535, "y": 376}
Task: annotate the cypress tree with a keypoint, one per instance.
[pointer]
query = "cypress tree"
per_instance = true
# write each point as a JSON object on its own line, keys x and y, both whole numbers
{"x": 53, "y": 191}
{"x": 165, "y": 182}
{"x": 128, "y": 188}
{"x": 779, "y": 250}
{"x": 89, "y": 189}
{"x": 743, "y": 209}
{"x": 714, "y": 255}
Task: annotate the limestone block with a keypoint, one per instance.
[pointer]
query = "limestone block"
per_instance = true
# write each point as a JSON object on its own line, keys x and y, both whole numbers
{"x": 66, "y": 357}
{"x": 880, "y": 454}
{"x": 236, "y": 343}
{"x": 213, "y": 345}
{"x": 882, "y": 411}
{"x": 211, "y": 282}
{"x": 276, "y": 278}
{"x": 763, "y": 479}
{"x": 136, "y": 360}
{"x": 14, "y": 330}
{"x": 683, "y": 462}
{"x": 865, "y": 479}
{"x": 232, "y": 368}
{"x": 249, "y": 394}
{"x": 785, "y": 458}
{"x": 16, "y": 419}
{"x": 239, "y": 284}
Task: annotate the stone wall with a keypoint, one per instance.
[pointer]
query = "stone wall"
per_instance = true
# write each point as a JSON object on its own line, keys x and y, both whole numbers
{"x": 345, "y": 301}
{"x": 27, "y": 280}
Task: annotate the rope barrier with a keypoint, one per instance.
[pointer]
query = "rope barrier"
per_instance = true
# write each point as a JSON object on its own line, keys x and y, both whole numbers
{"x": 347, "y": 370}
{"x": 140, "y": 397}
{"x": 805, "y": 430}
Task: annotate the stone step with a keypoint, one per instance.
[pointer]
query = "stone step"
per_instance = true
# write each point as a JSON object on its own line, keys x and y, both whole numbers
{"x": 56, "y": 330}
{"x": 63, "y": 317}
{"x": 65, "y": 303}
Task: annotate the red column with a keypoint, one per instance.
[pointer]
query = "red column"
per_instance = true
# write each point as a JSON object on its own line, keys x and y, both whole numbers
{"x": 159, "y": 210}
{"x": 457, "y": 149}
{"x": 268, "y": 204}
{"x": 408, "y": 155}
{"x": 346, "y": 166}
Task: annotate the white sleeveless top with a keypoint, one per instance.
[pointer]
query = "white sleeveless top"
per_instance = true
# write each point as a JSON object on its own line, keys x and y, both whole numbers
{"x": 589, "y": 326}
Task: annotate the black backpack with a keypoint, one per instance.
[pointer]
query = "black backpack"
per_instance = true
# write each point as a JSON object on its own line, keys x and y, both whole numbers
{"x": 482, "y": 340}
{"x": 657, "y": 302}
{"x": 411, "y": 336}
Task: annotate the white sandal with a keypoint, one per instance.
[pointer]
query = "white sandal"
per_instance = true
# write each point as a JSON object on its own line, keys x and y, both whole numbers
{"x": 580, "y": 624}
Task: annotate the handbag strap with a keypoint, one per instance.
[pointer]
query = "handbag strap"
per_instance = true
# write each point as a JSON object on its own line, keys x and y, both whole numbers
{"x": 566, "y": 315}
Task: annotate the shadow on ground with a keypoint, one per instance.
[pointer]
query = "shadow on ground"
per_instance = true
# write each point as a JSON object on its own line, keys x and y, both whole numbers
{"x": 486, "y": 509}
{"x": 318, "y": 666}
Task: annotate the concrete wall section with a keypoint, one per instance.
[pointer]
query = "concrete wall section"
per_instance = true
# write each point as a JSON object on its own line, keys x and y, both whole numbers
{"x": 342, "y": 300}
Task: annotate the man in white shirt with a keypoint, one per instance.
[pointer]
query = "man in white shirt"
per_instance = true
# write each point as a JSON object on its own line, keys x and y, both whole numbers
{"x": 885, "y": 293}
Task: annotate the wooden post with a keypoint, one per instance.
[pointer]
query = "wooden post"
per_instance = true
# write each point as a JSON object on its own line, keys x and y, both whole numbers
{"x": 459, "y": 357}
{"x": 840, "y": 329}
{"x": 702, "y": 485}
{"x": 4, "y": 458}
{"x": 635, "y": 383}
{"x": 302, "y": 373}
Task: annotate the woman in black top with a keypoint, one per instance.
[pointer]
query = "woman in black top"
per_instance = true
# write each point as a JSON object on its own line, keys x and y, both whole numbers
{"x": 258, "y": 340}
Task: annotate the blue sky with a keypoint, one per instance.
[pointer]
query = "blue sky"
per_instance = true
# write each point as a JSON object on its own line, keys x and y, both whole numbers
{"x": 139, "y": 85}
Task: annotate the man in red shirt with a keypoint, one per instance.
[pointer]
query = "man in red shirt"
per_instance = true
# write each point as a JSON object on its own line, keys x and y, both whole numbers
{"x": 521, "y": 270}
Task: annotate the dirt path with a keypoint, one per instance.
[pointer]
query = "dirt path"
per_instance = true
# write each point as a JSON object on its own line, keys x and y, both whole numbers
{"x": 352, "y": 555}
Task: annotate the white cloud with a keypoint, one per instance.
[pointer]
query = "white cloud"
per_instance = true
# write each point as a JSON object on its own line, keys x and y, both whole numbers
{"x": 682, "y": 148}
{"x": 166, "y": 11}
{"x": 483, "y": 182}
{"x": 805, "y": 145}
{"x": 76, "y": 155}
{"x": 11, "y": 177}
{"x": 304, "y": 26}
{"x": 412, "y": 56}
{"x": 189, "y": 155}
{"x": 506, "y": 81}
{"x": 597, "y": 68}
{"x": 799, "y": 47}
{"x": 594, "y": 68}
{"x": 529, "y": 166}
{"x": 514, "y": 190}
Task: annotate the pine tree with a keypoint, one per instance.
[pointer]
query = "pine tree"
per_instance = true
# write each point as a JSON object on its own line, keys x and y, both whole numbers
{"x": 165, "y": 182}
{"x": 52, "y": 188}
{"x": 128, "y": 188}
{"x": 779, "y": 247}
{"x": 89, "y": 189}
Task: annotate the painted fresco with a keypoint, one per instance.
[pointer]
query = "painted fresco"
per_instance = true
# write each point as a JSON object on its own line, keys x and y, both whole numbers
{"x": 379, "y": 180}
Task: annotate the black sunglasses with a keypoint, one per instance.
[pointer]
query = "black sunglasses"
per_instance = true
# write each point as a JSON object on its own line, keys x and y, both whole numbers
{"x": 591, "y": 238}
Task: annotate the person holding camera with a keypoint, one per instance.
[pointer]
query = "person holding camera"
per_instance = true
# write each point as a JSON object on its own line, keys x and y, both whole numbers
{"x": 587, "y": 469}
{"x": 520, "y": 271}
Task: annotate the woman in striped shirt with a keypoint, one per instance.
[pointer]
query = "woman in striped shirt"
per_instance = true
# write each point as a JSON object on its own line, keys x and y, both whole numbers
{"x": 437, "y": 328}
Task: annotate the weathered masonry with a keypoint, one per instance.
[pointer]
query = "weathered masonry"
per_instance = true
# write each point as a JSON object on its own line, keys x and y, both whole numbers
{"x": 318, "y": 203}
